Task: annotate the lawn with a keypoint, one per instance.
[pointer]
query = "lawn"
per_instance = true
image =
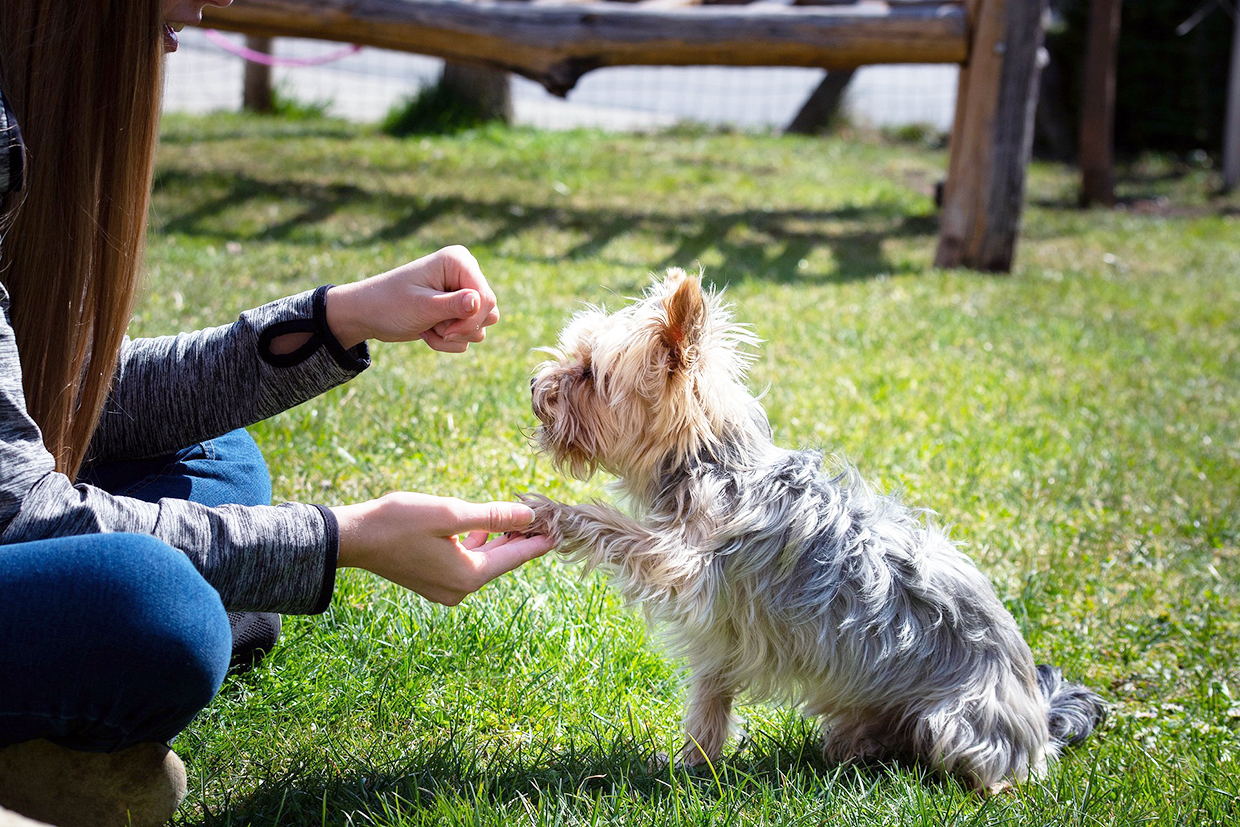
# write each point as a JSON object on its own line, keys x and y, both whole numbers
{"x": 1076, "y": 423}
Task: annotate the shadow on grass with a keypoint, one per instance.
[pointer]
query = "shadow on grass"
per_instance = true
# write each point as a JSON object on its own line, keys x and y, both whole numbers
{"x": 1153, "y": 204}
{"x": 1159, "y": 186}
{"x": 762, "y": 243}
{"x": 458, "y": 778}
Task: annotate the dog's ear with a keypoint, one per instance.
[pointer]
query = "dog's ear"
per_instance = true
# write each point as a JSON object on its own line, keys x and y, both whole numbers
{"x": 686, "y": 316}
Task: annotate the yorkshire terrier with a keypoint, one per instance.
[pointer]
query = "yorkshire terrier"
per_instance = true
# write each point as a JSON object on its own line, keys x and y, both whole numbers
{"x": 778, "y": 580}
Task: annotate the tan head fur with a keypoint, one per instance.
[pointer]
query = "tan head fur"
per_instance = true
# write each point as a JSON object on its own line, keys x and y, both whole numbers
{"x": 661, "y": 378}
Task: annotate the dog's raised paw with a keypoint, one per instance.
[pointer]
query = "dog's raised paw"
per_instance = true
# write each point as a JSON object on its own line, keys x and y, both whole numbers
{"x": 546, "y": 516}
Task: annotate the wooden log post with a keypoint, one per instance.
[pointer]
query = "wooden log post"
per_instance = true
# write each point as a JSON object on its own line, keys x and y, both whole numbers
{"x": 1098, "y": 105}
{"x": 992, "y": 136}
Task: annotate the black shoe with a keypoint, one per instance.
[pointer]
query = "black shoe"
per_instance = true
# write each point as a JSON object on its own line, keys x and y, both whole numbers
{"x": 254, "y": 634}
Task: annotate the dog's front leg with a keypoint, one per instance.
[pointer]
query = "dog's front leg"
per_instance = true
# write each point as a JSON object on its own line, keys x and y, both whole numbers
{"x": 708, "y": 718}
{"x": 646, "y": 562}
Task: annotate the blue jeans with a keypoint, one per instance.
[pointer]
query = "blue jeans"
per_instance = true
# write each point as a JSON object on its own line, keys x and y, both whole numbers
{"x": 109, "y": 640}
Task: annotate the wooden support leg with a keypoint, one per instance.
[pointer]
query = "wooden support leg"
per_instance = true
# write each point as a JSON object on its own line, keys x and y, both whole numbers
{"x": 256, "y": 93}
{"x": 1098, "y": 105}
{"x": 488, "y": 91}
{"x": 823, "y": 105}
{"x": 992, "y": 136}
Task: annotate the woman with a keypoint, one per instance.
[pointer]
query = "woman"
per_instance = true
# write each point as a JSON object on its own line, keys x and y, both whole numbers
{"x": 120, "y": 548}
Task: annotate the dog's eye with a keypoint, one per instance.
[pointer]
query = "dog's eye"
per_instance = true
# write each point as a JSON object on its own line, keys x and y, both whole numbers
{"x": 587, "y": 373}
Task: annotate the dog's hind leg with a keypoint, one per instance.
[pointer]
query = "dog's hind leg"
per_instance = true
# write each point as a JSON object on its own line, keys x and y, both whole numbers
{"x": 860, "y": 738}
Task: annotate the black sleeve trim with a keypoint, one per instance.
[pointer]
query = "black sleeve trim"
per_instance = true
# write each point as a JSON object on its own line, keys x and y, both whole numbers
{"x": 296, "y": 357}
{"x": 329, "y": 564}
{"x": 355, "y": 359}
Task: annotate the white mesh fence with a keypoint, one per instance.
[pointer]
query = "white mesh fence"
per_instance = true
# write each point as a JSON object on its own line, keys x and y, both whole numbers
{"x": 363, "y": 86}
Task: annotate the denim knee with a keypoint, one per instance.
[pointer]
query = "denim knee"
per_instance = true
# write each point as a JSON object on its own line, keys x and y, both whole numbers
{"x": 227, "y": 469}
{"x": 122, "y": 641}
{"x": 182, "y": 632}
{"x": 247, "y": 475}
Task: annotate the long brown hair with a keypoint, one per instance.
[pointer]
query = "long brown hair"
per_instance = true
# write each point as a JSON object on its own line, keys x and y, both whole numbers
{"x": 84, "y": 80}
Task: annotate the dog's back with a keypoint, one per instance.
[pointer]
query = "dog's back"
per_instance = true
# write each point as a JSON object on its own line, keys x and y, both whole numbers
{"x": 820, "y": 592}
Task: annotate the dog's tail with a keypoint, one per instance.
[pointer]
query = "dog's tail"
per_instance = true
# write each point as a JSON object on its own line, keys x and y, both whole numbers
{"x": 1072, "y": 711}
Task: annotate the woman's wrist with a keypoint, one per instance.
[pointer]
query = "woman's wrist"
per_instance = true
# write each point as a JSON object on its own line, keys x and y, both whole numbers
{"x": 351, "y": 522}
{"x": 345, "y": 314}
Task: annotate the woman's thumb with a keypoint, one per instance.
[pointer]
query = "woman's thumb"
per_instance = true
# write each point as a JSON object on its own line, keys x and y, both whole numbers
{"x": 464, "y": 302}
{"x": 497, "y": 517}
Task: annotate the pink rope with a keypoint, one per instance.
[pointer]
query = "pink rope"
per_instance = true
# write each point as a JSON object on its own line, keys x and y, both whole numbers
{"x": 271, "y": 60}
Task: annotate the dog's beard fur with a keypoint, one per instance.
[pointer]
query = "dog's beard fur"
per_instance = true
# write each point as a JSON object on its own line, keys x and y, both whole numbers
{"x": 773, "y": 578}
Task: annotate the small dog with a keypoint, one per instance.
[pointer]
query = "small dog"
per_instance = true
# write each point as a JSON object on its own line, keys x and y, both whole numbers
{"x": 776, "y": 579}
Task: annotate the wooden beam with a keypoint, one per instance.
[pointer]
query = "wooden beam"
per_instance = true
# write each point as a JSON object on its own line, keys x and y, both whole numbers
{"x": 652, "y": 5}
{"x": 563, "y": 2}
{"x": 869, "y": 2}
{"x": 556, "y": 45}
{"x": 992, "y": 137}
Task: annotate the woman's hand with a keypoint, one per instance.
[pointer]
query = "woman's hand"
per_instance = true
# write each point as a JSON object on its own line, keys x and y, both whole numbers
{"x": 442, "y": 298}
{"x": 413, "y": 540}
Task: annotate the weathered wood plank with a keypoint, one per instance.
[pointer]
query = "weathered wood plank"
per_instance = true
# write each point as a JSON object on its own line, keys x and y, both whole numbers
{"x": 652, "y": 5}
{"x": 556, "y": 45}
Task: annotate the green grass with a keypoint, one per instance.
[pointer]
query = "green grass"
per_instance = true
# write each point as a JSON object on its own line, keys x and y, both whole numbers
{"x": 1075, "y": 422}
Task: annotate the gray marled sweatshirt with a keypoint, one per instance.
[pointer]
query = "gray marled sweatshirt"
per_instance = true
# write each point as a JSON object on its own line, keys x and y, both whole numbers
{"x": 171, "y": 392}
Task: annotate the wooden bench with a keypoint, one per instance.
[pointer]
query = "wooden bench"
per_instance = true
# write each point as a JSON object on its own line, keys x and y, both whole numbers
{"x": 555, "y": 42}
